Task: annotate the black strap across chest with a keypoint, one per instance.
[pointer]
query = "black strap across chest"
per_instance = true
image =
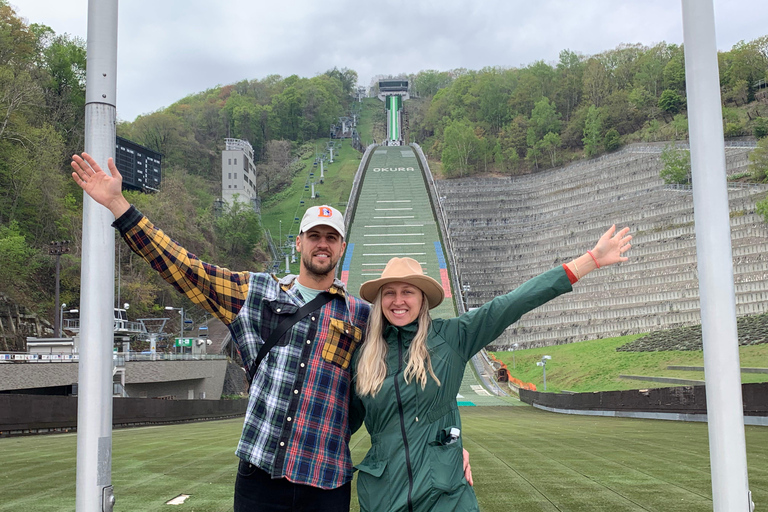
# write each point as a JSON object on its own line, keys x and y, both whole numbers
{"x": 322, "y": 299}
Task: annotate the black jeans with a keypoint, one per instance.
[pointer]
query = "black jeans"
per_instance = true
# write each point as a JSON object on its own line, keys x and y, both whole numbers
{"x": 256, "y": 491}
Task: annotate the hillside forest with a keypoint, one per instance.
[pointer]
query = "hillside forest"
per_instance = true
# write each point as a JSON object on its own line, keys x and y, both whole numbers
{"x": 500, "y": 120}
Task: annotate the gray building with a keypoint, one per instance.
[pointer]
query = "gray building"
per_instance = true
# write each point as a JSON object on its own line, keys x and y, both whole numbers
{"x": 238, "y": 172}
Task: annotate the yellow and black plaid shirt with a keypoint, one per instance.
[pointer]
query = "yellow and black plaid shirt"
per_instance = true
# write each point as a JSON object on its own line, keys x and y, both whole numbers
{"x": 297, "y": 423}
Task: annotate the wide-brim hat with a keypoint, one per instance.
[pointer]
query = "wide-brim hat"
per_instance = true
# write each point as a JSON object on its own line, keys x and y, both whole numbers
{"x": 406, "y": 270}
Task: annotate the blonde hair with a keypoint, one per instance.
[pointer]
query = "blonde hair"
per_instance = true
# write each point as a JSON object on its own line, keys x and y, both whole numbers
{"x": 372, "y": 366}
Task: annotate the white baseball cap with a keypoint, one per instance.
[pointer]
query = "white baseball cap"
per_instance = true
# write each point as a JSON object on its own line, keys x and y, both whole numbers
{"x": 323, "y": 216}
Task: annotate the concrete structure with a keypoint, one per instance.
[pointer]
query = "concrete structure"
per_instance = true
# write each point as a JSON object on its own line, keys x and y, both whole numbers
{"x": 180, "y": 378}
{"x": 506, "y": 230}
{"x": 238, "y": 172}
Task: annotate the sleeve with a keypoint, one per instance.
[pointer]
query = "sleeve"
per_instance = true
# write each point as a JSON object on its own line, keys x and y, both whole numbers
{"x": 356, "y": 406}
{"x": 356, "y": 411}
{"x": 473, "y": 330}
{"x": 218, "y": 290}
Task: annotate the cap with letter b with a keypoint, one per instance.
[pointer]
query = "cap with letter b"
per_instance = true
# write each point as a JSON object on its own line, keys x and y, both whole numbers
{"x": 323, "y": 216}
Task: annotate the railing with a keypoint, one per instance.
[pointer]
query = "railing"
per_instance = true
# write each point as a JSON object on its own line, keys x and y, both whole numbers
{"x": 73, "y": 324}
{"x": 119, "y": 360}
{"x": 16, "y": 357}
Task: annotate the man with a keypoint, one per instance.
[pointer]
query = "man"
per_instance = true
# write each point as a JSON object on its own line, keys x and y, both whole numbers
{"x": 294, "y": 446}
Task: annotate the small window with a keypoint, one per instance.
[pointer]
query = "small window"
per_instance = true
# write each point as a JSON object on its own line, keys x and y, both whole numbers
{"x": 229, "y": 162}
{"x": 230, "y": 175}
{"x": 235, "y": 175}
{"x": 235, "y": 161}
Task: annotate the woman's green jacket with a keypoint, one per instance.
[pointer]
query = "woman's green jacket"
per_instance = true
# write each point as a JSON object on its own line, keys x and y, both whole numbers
{"x": 412, "y": 464}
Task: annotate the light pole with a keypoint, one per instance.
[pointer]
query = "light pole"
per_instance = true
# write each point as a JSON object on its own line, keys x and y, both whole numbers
{"x": 57, "y": 249}
{"x": 543, "y": 364}
{"x": 514, "y": 347}
{"x": 181, "y": 329}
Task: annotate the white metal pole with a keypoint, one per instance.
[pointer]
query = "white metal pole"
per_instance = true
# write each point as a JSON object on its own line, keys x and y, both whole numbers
{"x": 727, "y": 446}
{"x": 94, "y": 415}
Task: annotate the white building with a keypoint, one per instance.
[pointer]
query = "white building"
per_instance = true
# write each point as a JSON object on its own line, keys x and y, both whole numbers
{"x": 238, "y": 172}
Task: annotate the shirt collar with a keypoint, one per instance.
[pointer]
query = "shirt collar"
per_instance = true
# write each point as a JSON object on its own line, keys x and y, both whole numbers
{"x": 286, "y": 283}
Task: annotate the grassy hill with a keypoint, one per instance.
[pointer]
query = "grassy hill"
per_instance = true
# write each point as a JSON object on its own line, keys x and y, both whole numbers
{"x": 596, "y": 365}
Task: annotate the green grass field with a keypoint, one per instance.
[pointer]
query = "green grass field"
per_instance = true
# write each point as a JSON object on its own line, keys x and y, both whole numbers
{"x": 523, "y": 459}
{"x": 596, "y": 365}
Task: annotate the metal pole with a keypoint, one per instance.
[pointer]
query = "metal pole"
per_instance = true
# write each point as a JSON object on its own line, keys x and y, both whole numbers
{"x": 181, "y": 336}
{"x": 544, "y": 369}
{"x": 57, "y": 326}
{"x": 94, "y": 416}
{"x": 727, "y": 446}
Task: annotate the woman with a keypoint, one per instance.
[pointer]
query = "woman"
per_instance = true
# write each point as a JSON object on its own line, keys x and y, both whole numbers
{"x": 407, "y": 376}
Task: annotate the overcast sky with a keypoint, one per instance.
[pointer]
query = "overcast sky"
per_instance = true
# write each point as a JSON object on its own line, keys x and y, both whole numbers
{"x": 168, "y": 49}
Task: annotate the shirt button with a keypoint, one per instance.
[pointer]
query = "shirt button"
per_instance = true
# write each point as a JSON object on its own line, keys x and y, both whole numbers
{"x": 313, "y": 319}
{"x": 302, "y": 365}
{"x": 279, "y": 310}
{"x": 289, "y": 418}
{"x": 282, "y": 443}
{"x": 309, "y": 341}
{"x": 295, "y": 391}
{"x": 417, "y": 418}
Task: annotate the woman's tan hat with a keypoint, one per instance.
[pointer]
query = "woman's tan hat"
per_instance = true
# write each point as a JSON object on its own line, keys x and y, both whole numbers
{"x": 406, "y": 270}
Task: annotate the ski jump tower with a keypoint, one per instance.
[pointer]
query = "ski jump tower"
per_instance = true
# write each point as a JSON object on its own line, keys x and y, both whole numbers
{"x": 392, "y": 92}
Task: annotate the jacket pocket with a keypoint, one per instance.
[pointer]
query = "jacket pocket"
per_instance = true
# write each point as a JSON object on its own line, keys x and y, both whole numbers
{"x": 446, "y": 466}
{"x": 341, "y": 342}
{"x": 373, "y": 485}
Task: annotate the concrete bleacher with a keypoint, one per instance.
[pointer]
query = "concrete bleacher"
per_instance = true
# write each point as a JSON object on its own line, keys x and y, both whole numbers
{"x": 506, "y": 230}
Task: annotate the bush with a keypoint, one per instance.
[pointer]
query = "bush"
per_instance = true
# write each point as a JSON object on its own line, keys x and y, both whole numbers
{"x": 677, "y": 166}
{"x": 762, "y": 208}
{"x": 733, "y": 130}
{"x": 612, "y": 140}
{"x": 760, "y": 128}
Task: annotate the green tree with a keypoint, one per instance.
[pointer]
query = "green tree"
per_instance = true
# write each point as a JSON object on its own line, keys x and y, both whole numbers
{"x": 550, "y": 144}
{"x": 674, "y": 74}
{"x": 19, "y": 261}
{"x": 593, "y": 132}
{"x": 570, "y": 72}
{"x": 239, "y": 229}
{"x": 544, "y": 119}
{"x": 680, "y": 125}
{"x": 670, "y": 102}
{"x": 677, "y": 166}
{"x": 460, "y": 145}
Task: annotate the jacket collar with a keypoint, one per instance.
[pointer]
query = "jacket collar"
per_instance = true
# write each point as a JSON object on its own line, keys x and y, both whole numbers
{"x": 407, "y": 332}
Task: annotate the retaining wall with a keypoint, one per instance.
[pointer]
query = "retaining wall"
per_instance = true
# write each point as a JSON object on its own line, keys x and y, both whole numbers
{"x": 506, "y": 230}
{"x": 24, "y": 414}
{"x": 675, "y": 400}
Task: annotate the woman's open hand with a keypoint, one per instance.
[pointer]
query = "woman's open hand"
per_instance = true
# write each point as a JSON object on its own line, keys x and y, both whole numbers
{"x": 611, "y": 247}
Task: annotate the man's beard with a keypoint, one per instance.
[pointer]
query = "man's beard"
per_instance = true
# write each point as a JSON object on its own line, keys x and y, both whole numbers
{"x": 318, "y": 270}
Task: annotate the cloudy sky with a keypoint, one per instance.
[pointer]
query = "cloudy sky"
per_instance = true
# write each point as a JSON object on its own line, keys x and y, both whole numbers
{"x": 168, "y": 49}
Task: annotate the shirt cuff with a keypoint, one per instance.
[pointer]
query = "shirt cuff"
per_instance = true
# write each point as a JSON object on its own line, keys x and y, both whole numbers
{"x": 128, "y": 220}
{"x": 571, "y": 277}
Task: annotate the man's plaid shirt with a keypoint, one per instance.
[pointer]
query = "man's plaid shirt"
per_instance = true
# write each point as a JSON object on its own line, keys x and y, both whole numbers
{"x": 297, "y": 423}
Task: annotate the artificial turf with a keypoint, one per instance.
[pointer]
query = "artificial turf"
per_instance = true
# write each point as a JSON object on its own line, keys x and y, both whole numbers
{"x": 523, "y": 459}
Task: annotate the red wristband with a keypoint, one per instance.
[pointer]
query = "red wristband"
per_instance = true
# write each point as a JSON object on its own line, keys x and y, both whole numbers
{"x": 593, "y": 257}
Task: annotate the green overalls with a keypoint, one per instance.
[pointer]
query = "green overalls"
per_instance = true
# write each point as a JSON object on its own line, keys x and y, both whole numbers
{"x": 413, "y": 465}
